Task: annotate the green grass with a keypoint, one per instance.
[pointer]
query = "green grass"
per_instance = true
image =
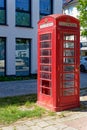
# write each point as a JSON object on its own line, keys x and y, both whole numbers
{"x": 13, "y": 78}
{"x": 15, "y": 108}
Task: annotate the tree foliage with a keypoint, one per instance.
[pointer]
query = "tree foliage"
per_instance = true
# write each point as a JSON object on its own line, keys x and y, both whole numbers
{"x": 82, "y": 8}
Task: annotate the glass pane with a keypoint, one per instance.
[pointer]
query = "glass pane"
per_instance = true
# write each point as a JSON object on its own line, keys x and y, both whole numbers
{"x": 68, "y": 92}
{"x": 68, "y": 76}
{"x": 68, "y": 84}
{"x": 2, "y": 56}
{"x": 41, "y": 16}
{"x": 45, "y": 36}
{"x": 68, "y": 53}
{"x": 46, "y": 91}
{"x": 22, "y": 57}
{"x": 22, "y": 5}
{"x": 45, "y": 68}
{"x": 22, "y": 19}
{"x": 46, "y": 60}
{"x": 45, "y": 75}
{"x": 68, "y": 44}
{"x": 2, "y": 16}
{"x": 45, "y": 6}
{"x": 45, "y": 52}
{"x": 2, "y": 3}
{"x": 45, "y": 83}
{"x": 67, "y": 60}
{"x": 68, "y": 37}
{"x": 45, "y": 44}
{"x": 68, "y": 68}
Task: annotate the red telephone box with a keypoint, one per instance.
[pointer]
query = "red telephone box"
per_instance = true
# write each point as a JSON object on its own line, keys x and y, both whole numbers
{"x": 58, "y": 62}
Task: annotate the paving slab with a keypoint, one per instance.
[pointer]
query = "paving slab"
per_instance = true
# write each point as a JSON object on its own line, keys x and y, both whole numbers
{"x": 80, "y": 124}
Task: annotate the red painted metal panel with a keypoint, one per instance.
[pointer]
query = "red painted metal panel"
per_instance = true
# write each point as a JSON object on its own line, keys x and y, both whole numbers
{"x": 58, "y": 62}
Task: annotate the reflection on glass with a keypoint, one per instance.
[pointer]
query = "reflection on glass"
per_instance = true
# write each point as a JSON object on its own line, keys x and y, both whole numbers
{"x": 67, "y": 60}
{"x": 45, "y": 6}
{"x": 22, "y": 57}
{"x": 68, "y": 92}
{"x": 46, "y": 44}
{"x": 45, "y": 36}
{"x": 2, "y": 56}
{"x": 46, "y": 60}
{"x": 2, "y": 16}
{"x": 69, "y": 68}
{"x": 68, "y": 44}
{"x": 69, "y": 37}
{"x": 22, "y": 19}
{"x": 23, "y": 13}
{"x": 68, "y": 84}
{"x": 45, "y": 52}
{"x": 2, "y": 3}
{"x": 68, "y": 53}
{"x": 45, "y": 75}
{"x": 2, "y": 12}
{"x": 22, "y": 5}
{"x": 41, "y": 16}
{"x": 45, "y": 68}
{"x": 68, "y": 76}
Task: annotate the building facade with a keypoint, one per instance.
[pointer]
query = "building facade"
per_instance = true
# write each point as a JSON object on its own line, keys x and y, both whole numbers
{"x": 18, "y": 34}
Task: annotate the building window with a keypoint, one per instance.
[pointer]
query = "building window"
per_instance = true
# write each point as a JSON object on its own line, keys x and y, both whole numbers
{"x": 23, "y": 13}
{"x": 23, "y": 57}
{"x": 3, "y": 12}
{"x": 46, "y": 7}
{"x": 2, "y": 56}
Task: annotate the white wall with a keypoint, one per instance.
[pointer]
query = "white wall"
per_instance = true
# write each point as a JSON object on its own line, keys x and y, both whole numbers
{"x": 11, "y": 33}
{"x": 57, "y": 5}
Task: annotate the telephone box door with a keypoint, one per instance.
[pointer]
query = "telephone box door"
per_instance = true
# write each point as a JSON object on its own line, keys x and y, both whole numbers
{"x": 69, "y": 64}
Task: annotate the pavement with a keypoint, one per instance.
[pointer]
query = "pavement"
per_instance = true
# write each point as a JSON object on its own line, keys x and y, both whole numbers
{"x": 15, "y": 88}
{"x": 74, "y": 119}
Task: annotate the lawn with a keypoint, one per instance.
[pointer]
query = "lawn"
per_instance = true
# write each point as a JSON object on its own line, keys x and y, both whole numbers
{"x": 13, "y": 78}
{"x": 19, "y": 107}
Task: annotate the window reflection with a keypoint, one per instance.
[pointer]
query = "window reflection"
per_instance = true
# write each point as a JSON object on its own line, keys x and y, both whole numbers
{"x": 2, "y": 3}
{"x": 2, "y": 56}
{"x": 22, "y": 5}
{"x": 45, "y": 68}
{"x": 69, "y": 92}
{"x": 2, "y": 12}
{"x": 69, "y": 76}
{"x": 68, "y": 84}
{"x": 69, "y": 68}
{"x": 69, "y": 37}
{"x": 68, "y": 53}
{"x": 22, "y": 19}
{"x": 69, "y": 45}
{"x": 22, "y": 57}
{"x": 67, "y": 60}
{"x": 45, "y": 7}
{"x": 45, "y": 52}
{"x": 45, "y": 60}
{"x": 23, "y": 15}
